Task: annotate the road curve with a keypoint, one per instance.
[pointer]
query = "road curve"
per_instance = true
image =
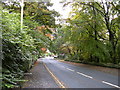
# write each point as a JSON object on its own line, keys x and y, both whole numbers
{"x": 80, "y": 77}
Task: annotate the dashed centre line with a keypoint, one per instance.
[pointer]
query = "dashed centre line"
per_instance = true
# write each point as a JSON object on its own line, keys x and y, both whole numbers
{"x": 92, "y": 77}
{"x": 85, "y": 75}
{"x": 63, "y": 66}
{"x": 110, "y": 84}
{"x": 70, "y": 69}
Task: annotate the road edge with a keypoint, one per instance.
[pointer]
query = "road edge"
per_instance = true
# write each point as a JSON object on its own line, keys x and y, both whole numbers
{"x": 116, "y": 71}
{"x": 58, "y": 82}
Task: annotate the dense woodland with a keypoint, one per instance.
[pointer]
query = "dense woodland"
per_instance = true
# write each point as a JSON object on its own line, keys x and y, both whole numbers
{"x": 90, "y": 35}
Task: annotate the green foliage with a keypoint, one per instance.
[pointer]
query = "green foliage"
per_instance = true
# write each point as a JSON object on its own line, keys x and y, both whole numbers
{"x": 22, "y": 48}
{"x": 92, "y": 33}
{"x": 35, "y": 11}
{"x": 18, "y": 47}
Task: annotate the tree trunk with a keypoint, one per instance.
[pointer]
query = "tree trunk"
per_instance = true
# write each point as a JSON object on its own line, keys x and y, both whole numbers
{"x": 95, "y": 31}
{"x": 111, "y": 34}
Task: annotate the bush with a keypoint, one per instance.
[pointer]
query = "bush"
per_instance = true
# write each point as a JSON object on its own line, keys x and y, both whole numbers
{"x": 19, "y": 50}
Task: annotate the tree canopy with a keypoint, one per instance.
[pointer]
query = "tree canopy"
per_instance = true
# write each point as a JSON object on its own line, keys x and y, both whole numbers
{"x": 91, "y": 34}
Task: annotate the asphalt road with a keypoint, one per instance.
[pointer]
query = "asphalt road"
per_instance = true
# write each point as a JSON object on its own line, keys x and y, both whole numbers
{"x": 38, "y": 77}
{"x": 72, "y": 76}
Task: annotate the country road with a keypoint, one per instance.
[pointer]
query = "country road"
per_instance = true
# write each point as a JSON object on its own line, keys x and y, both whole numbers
{"x": 72, "y": 76}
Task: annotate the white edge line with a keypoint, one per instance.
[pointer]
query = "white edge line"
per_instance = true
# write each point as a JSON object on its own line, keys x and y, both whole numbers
{"x": 110, "y": 84}
{"x": 85, "y": 75}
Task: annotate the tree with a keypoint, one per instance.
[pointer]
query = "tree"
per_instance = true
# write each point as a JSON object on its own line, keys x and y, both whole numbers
{"x": 22, "y": 48}
{"x": 92, "y": 31}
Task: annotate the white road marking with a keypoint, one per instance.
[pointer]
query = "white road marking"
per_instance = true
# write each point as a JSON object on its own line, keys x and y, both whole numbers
{"x": 85, "y": 75}
{"x": 110, "y": 84}
{"x": 70, "y": 69}
{"x": 80, "y": 74}
{"x": 63, "y": 66}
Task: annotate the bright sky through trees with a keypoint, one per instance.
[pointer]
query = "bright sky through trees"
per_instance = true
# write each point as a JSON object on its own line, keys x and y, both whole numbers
{"x": 57, "y": 6}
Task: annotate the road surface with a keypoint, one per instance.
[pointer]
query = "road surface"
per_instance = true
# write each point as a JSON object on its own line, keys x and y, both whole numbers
{"x": 38, "y": 77}
{"x": 72, "y": 76}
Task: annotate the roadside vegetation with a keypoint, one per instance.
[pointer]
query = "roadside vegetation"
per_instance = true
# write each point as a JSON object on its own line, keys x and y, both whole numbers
{"x": 21, "y": 48}
{"x": 91, "y": 34}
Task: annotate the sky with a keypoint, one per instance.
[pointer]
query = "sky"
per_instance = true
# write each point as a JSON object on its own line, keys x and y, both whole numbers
{"x": 59, "y": 8}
